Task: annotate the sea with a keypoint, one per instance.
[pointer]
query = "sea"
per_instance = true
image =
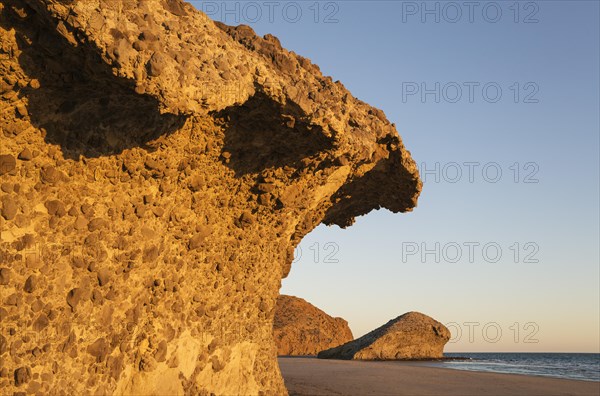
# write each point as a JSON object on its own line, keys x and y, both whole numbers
{"x": 578, "y": 366}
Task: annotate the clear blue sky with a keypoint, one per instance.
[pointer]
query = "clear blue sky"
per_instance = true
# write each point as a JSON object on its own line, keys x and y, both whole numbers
{"x": 544, "y": 57}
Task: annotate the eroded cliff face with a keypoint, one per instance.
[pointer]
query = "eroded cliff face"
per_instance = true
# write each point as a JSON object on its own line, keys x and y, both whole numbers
{"x": 157, "y": 171}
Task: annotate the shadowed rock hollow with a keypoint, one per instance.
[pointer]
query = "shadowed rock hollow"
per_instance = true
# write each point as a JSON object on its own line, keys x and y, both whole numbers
{"x": 301, "y": 329}
{"x": 157, "y": 171}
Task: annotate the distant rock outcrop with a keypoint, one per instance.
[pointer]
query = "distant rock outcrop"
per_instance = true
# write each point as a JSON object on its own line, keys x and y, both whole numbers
{"x": 302, "y": 329}
{"x": 409, "y": 336}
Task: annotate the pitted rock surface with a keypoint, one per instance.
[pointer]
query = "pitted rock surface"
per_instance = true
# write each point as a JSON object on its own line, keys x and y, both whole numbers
{"x": 157, "y": 170}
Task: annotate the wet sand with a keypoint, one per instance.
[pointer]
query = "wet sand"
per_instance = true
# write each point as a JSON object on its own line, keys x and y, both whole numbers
{"x": 311, "y": 376}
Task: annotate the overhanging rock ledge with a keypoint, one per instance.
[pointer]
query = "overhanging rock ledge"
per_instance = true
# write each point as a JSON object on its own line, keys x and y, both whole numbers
{"x": 157, "y": 170}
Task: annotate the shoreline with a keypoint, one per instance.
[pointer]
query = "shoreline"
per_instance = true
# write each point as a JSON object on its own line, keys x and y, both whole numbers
{"x": 312, "y": 376}
{"x": 503, "y": 373}
{"x": 423, "y": 360}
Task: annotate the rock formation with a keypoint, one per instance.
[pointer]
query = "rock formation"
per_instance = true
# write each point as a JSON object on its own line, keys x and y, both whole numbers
{"x": 301, "y": 329}
{"x": 157, "y": 171}
{"x": 409, "y": 336}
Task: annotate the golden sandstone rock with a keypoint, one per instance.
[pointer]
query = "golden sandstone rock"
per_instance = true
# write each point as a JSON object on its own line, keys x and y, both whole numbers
{"x": 174, "y": 165}
{"x": 409, "y": 336}
{"x": 301, "y": 329}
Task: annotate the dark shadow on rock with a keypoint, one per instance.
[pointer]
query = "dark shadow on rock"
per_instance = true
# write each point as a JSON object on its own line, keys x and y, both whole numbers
{"x": 364, "y": 194}
{"x": 80, "y": 104}
{"x": 262, "y": 134}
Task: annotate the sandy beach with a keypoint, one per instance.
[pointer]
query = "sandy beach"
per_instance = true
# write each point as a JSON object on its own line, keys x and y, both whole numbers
{"x": 311, "y": 376}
